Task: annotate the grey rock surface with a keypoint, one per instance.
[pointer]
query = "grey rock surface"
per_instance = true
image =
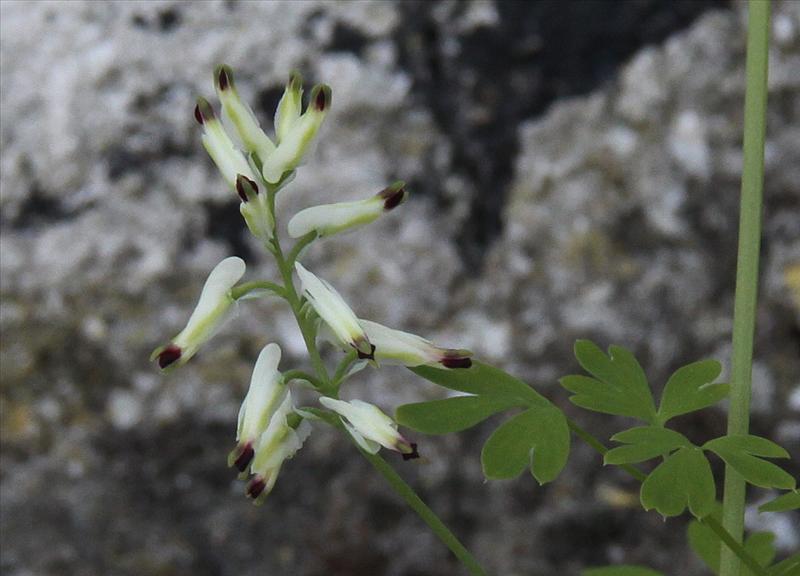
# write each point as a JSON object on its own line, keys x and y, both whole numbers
{"x": 617, "y": 222}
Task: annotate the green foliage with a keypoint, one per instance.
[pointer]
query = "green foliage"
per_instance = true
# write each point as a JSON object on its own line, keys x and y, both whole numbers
{"x": 683, "y": 479}
{"x": 643, "y": 444}
{"x": 618, "y": 386}
{"x": 742, "y": 451}
{"x": 788, "y": 567}
{"x": 537, "y": 438}
{"x": 620, "y": 571}
{"x": 783, "y": 503}
{"x": 690, "y": 389}
{"x": 706, "y": 544}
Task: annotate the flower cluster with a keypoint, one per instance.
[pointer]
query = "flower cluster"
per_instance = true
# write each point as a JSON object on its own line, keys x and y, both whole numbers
{"x": 270, "y": 428}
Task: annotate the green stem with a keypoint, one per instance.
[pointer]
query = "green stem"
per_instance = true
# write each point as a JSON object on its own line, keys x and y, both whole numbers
{"x": 244, "y": 289}
{"x": 428, "y": 516}
{"x": 755, "y": 110}
{"x": 736, "y": 548}
{"x": 290, "y": 375}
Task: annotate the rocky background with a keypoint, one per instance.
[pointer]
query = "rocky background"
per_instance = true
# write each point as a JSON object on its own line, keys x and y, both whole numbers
{"x": 574, "y": 172}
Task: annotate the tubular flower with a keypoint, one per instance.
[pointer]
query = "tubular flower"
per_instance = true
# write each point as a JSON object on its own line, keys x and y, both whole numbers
{"x": 328, "y": 219}
{"x": 289, "y": 107}
{"x": 405, "y": 349}
{"x": 283, "y": 437}
{"x": 298, "y": 135}
{"x": 255, "y": 208}
{"x": 213, "y": 309}
{"x": 230, "y": 161}
{"x": 332, "y": 308}
{"x": 241, "y": 116}
{"x": 370, "y": 427}
{"x": 266, "y": 394}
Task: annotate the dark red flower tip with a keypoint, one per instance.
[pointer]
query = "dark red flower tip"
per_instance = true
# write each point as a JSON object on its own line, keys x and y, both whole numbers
{"x": 364, "y": 356}
{"x": 245, "y": 457}
{"x": 224, "y": 77}
{"x": 394, "y": 200}
{"x": 244, "y": 186}
{"x": 456, "y": 362}
{"x": 321, "y": 97}
{"x": 197, "y": 115}
{"x": 168, "y": 355}
{"x": 414, "y": 454}
{"x": 255, "y": 487}
{"x": 203, "y": 111}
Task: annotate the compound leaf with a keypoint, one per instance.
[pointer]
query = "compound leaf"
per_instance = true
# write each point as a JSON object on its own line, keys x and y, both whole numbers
{"x": 644, "y": 443}
{"x": 538, "y": 439}
{"x": 783, "y": 503}
{"x": 689, "y": 389}
{"x": 683, "y": 479}
{"x": 451, "y": 414}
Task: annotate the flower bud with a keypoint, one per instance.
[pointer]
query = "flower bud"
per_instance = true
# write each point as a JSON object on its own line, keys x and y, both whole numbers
{"x": 298, "y": 137}
{"x": 370, "y": 427}
{"x": 328, "y": 219}
{"x": 212, "y": 310}
{"x": 255, "y": 208}
{"x": 289, "y": 107}
{"x": 240, "y": 114}
{"x": 283, "y": 437}
{"x": 230, "y": 161}
{"x": 265, "y": 395}
{"x": 335, "y": 312}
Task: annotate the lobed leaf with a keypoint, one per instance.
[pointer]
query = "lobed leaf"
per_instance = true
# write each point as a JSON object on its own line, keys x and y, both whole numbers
{"x": 644, "y": 443}
{"x": 538, "y": 439}
{"x": 783, "y": 503}
{"x": 689, "y": 389}
{"x": 619, "y": 385}
{"x": 683, "y": 479}
{"x": 484, "y": 380}
{"x": 451, "y": 414}
{"x": 741, "y": 452}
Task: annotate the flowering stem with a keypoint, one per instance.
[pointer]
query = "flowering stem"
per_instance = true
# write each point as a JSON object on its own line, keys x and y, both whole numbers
{"x": 732, "y": 544}
{"x": 428, "y": 516}
{"x": 755, "y": 111}
{"x": 247, "y": 287}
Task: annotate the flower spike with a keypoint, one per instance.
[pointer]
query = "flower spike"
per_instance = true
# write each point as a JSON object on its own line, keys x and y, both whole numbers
{"x": 328, "y": 219}
{"x": 212, "y": 310}
{"x": 281, "y": 440}
{"x": 298, "y": 137}
{"x": 266, "y": 393}
{"x": 370, "y": 427}
{"x": 332, "y": 308}
{"x": 240, "y": 114}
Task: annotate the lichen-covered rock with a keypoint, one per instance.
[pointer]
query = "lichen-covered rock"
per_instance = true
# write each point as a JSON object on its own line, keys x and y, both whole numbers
{"x": 618, "y": 223}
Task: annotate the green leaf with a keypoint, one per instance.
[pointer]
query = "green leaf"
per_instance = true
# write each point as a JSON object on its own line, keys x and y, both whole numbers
{"x": 538, "y": 438}
{"x": 741, "y": 452}
{"x": 621, "y": 571}
{"x": 689, "y": 389}
{"x": 706, "y": 544}
{"x": 783, "y": 503}
{"x": 644, "y": 443}
{"x": 451, "y": 414}
{"x": 788, "y": 567}
{"x": 683, "y": 479}
{"x": 619, "y": 385}
{"x": 485, "y": 380}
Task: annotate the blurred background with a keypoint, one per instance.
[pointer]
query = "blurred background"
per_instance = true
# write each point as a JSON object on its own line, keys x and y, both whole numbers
{"x": 574, "y": 170}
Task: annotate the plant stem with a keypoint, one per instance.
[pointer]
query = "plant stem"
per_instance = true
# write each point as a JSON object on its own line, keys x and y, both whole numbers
{"x": 247, "y": 287}
{"x": 429, "y": 516}
{"x": 329, "y": 387}
{"x": 755, "y": 109}
{"x": 737, "y": 549}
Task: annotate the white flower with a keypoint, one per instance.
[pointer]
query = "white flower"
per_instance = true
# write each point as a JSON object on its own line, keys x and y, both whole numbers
{"x": 298, "y": 135}
{"x": 328, "y": 219}
{"x": 212, "y": 310}
{"x": 283, "y": 437}
{"x": 255, "y": 208}
{"x": 289, "y": 107}
{"x": 240, "y": 115}
{"x": 405, "y": 349}
{"x": 335, "y": 312}
{"x": 370, "y": 427}
{"x": 230, "y": 161}
{"x": 265, "y": 394}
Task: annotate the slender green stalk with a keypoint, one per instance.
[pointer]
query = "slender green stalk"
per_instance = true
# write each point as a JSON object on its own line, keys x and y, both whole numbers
{"x": 247, "y": 287}
{"x": 755, "y": 110}
{"x": 428, "y": 516}
{"x": 737, "y": 549}
{"x": 328, "y": 386}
